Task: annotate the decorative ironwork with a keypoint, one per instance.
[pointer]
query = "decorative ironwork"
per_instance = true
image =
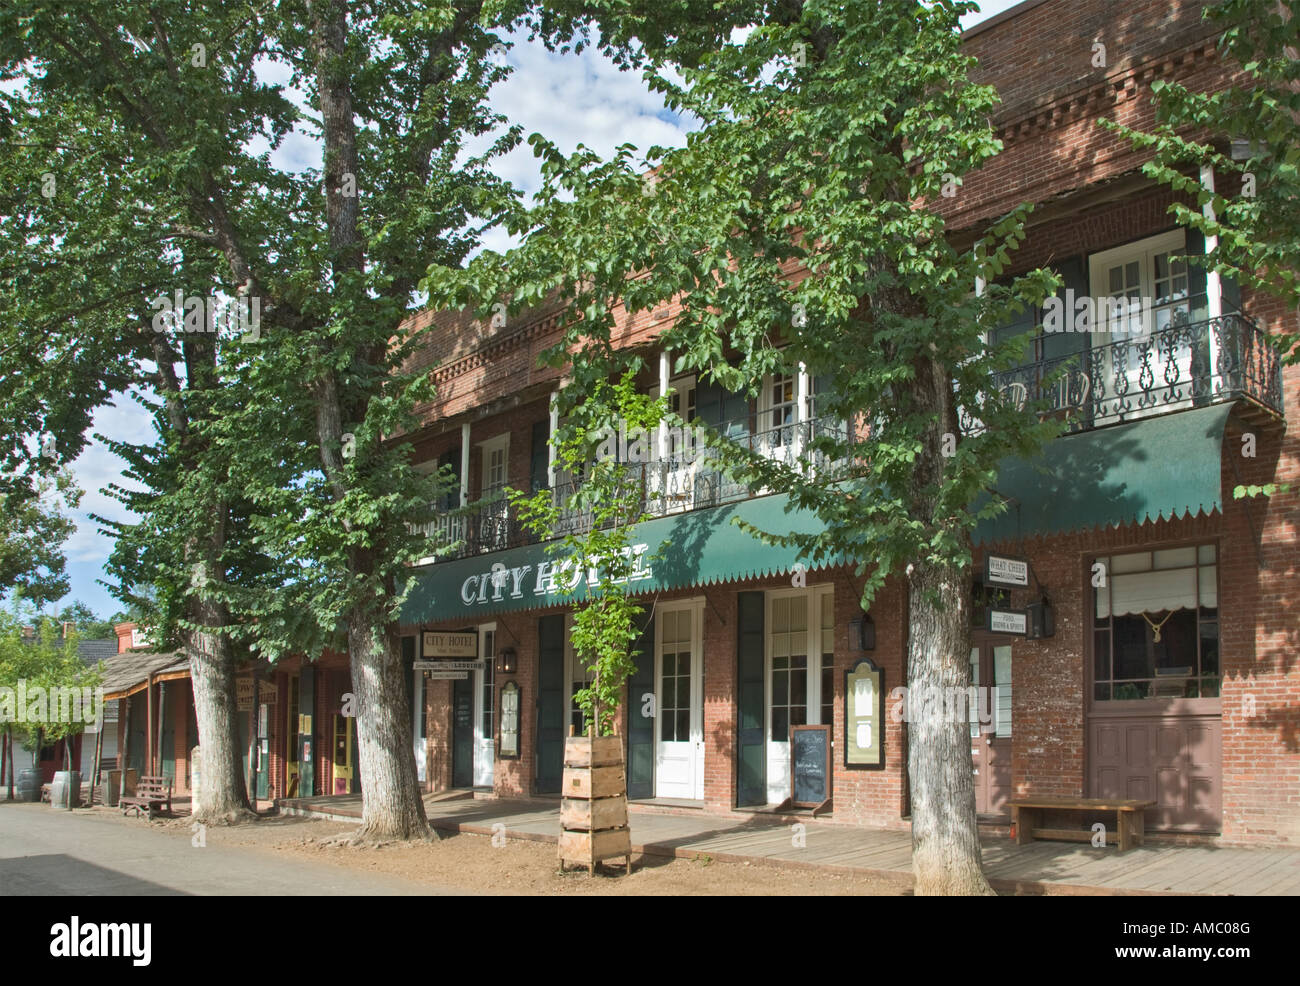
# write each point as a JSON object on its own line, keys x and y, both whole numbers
{"x": 1184, "y": 365}
{"x": 691, "y": 480}
{"x": 1181, "y": 366}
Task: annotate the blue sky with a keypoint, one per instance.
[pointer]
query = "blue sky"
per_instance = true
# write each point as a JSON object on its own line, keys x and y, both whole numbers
{"x": 571, "y": 99}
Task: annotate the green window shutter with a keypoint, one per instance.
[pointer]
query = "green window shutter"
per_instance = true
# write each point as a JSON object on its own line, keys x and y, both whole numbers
{"x": 751, "y": 773}
{"x": 408, "y": 662}
{"x": 550, "y": 703}
{"x": 708, "y": 403}
{"x": 641, "y": 728}
{"x": 1196, "y": 276}
{"x": 1074, "y": 277}
{"x": 725, "y": 412}
{"x": 539, "y": 463}
{"x": 451, "y": 458}
{"x": 735, "y": 415}
{"x": 462, "y": 732}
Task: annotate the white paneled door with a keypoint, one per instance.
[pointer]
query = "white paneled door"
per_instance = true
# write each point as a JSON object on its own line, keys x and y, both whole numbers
{"x": 484, "y": 707}
{"x": 679, "y": 719}
{"x": 800, "y": 665}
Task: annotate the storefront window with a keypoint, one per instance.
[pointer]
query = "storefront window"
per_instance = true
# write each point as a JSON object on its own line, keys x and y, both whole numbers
{"x": 580, "y": 677}
{"x": 1156, "y": 625}
{"x": 789, "y": 665}
{"x": 828, "y": 659}
{"x": 982, "y": 597}
{"x": 487, "y": 702}
{"x": 675, "y": 701}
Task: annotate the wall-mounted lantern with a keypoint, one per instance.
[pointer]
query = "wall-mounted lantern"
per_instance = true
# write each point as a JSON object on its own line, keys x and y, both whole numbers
{"x": 507, "y": 659}
{"x": 862, "y": 633}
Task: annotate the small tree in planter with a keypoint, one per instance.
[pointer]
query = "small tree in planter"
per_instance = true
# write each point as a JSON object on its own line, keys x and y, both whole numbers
{"x": 609, "y": 495}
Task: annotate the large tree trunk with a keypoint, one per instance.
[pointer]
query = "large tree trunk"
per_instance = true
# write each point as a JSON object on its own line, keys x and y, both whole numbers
{"x": 945, "y": 831}
{"x": 391, "y": 805}
{"x": 223, "y": 796}
{"x": 945, "y": 835}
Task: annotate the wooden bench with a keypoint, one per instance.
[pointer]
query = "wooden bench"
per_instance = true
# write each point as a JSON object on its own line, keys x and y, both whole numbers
{"x": 151, "y": 794}
{"x": 1027, "y": 816}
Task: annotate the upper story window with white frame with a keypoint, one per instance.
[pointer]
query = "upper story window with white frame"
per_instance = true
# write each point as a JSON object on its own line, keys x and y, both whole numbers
{"x": 496, "y": 464}
{"x": 778, "y": 410}
{"x": 1139, "y": 288}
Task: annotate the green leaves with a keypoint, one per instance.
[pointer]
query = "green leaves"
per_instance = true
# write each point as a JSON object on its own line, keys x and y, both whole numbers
{"x": 799, "y": 189}
{"x": 1256, "y": 204}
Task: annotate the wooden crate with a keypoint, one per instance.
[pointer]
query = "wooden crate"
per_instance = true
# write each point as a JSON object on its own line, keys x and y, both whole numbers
{"x": 593, "y": 814}
{"x": 591, "y": 848}
{"x": 587, "y": 816}
{"x": 593, "y": 751}
{"x": 590, "y": 783}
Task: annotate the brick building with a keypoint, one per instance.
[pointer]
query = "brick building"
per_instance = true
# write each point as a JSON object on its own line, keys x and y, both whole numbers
{"x": 1172, "y": 670}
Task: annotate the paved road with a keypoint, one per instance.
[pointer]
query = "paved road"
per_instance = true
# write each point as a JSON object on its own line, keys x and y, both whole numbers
{"x": 47, "y": 852}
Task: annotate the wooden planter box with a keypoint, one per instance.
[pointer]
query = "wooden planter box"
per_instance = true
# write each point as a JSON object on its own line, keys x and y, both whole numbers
{"x": 593, "y": 814}
{"x": 589, "y": 816}
{"x": 593, "y": 751}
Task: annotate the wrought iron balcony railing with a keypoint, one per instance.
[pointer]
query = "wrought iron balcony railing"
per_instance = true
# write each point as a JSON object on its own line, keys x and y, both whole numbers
{"x": 1215, "y": 361}
{"x": 689, "y": 480}
{"x": 1187, "y": 365}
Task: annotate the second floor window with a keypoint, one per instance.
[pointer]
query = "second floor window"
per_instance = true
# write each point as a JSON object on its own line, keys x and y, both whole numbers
{"x": 780, "y": 411}
{"x": 1140, "y": 288}
{"x": 496, "y": 453}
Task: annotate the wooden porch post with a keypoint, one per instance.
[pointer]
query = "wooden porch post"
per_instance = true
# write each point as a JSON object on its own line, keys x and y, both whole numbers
{"x": 1213, "y": 287}
{"x": 148, "y": 726}
{"x": 124, "y": 754}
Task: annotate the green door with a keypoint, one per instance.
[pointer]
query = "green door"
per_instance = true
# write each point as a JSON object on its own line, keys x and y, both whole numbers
{"x": 751, "y": 780}
{"x": 139, "y": 729}
{"x": 550, "y": 703}
{"x": 462, "y": 733}
{"x": 641, "y": 714}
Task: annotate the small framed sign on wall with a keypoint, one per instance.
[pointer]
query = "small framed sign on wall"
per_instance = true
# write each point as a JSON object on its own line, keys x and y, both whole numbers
{"x": 864, "y": 719}
{"x": 509, "y": 721}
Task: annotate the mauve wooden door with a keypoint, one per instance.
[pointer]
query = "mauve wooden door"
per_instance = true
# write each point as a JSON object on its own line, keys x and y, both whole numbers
{"x": 990, "y": 715}
{"x": 1174, "y": 760}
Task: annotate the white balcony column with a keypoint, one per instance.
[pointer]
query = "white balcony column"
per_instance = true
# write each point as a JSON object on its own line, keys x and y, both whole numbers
{"x": 1213, "y": 284}
{"x": 662, "y": 438}
{"x": 803, "y": 388}
{"x": 464, "y": 463}
{"x": 550, "y": 445}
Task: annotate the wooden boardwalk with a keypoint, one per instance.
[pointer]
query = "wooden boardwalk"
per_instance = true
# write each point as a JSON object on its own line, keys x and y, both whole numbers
{"x": 1039, "y": 868}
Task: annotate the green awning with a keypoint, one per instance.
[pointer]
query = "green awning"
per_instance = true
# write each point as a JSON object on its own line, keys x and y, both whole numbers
{"x": 1161, "y": 467}
{"x": 698, "y": 548}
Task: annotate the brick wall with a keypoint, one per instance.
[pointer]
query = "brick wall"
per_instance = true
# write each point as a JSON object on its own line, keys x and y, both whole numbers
{"x": 1041, "y": 62}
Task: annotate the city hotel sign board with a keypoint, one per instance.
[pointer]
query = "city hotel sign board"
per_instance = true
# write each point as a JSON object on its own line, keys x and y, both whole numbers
{"x": 448, "y": 656}
{"x": 449, "y": 645}
{"x": 547, "y": 580}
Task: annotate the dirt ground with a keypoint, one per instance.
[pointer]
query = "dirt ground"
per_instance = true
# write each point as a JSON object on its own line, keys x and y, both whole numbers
{"x": 472, "y": 863}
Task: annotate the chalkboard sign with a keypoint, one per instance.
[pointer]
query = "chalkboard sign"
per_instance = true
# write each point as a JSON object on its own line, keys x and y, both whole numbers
{"x": 810, "y": 765}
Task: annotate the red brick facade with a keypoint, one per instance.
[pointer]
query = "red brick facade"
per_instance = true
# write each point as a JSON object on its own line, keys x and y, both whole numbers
{"x": 1091, "y": 197}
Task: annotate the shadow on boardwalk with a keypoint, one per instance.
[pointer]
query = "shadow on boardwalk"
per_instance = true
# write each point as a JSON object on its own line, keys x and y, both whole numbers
{"x": 1038, "y": 868}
